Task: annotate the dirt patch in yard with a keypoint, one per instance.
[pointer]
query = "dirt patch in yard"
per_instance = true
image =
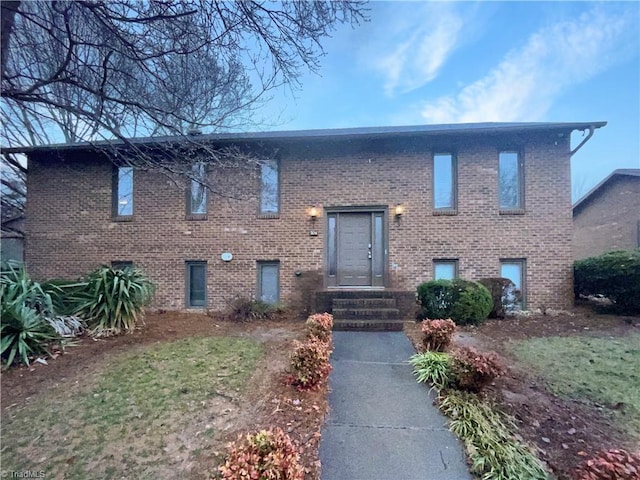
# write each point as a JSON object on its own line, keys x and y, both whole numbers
{"x": 564, "y": 431}
{"x": 266, "y": 402}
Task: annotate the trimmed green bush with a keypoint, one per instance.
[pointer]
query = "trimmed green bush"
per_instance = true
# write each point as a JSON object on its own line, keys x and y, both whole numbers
{"x": 504, "y": 295}
{"x": 616, "y": 275}
{"x": 473, "y": 303}
{"x": 436, "y": 299}
{"x": 465, "y": 302}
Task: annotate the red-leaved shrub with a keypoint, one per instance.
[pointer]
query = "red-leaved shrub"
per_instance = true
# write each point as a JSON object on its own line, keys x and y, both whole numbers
{"x": 310, "y": 364}
{"x": 610, "y": 465}
{"x": 268, "y": 455}
{"x": 319, "y": 326}
{"x": 472, "y": 370}
{"x": 437, "y": 334}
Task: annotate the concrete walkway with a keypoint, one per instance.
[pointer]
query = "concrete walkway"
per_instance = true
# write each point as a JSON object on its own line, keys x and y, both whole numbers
{"x": 382, "y": 424}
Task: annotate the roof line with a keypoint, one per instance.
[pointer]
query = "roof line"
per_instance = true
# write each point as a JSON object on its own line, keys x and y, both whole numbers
{"x": 363, "y": 132}
{"x": 633, "y": 172}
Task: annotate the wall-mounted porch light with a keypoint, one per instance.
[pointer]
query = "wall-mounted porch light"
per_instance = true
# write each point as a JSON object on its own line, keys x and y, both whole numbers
{"x": 398, "y": 211}
{"x": 313, "y": 213}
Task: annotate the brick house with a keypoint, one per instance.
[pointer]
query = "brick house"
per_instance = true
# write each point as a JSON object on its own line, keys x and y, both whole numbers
{"x": 351, "y": 210}
{"x": 608, "y": 217}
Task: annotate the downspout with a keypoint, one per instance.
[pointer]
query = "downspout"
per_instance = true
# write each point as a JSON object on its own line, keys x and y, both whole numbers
{"x": 585, "y": 140}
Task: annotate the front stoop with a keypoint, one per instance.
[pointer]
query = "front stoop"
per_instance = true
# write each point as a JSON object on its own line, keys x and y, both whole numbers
{"x": 366, "y": 311}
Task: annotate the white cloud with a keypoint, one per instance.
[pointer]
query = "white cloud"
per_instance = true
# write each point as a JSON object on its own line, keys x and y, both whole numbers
{"x": 415, "y": 44}
{"x": 526, "y": 83}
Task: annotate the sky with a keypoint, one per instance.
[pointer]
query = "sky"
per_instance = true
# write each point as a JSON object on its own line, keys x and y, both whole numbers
{"x": 419, "y": 63}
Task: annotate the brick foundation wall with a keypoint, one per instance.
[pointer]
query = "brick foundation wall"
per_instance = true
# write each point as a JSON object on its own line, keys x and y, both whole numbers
{"x": 70, "y": 229}
{"x": 609, "y": 220}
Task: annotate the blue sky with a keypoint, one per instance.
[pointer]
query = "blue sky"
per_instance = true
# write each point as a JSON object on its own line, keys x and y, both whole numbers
{"x": 452, "y": 62}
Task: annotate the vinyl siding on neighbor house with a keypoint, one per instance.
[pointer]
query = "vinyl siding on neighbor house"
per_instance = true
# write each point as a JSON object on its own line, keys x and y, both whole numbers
{"x": 71, "y": 229}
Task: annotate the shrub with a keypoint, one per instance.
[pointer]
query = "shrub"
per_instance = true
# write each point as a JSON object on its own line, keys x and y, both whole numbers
{"x": 436, "y": 299}
{"x": 473, "y": 370}
{"x": 23, "y": 333}
{"x": 437, "y": 334}
{"x": 503, "y": 293}
{"x": 432, "y": 367}
{"x": 494, "y": 452}
{"x": 310, "y": 364}
{"x": 463, "y": 301}
{"x": 114, "y": 300}
{"x": 243, "y": 309}
{"x": 615, "y": 275}
{"x": 265, "y": 455}
{"x": 24, "y": 306}
{"x": 609, "y": 465}
{"x": 473, "y": 302}
{"x": 319, "y": 326}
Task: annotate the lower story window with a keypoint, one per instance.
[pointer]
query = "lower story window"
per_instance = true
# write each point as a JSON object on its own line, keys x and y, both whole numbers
{"x": 121, "y": 264}
{"x": 445, "y": 269}
{"x": 196, "y": 287}
{"x": 269, "y": 282}
{"x": 514, "y": 270}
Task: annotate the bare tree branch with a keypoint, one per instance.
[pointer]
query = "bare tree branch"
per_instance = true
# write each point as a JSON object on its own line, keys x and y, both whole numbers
{"x": 94, "y": 70}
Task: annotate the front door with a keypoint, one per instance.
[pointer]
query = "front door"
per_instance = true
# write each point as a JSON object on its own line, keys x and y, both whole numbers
{"x": 355, "y": 249}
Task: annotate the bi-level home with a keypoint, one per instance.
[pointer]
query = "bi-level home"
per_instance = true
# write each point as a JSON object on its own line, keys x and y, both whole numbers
{"x": 346, "y": 210}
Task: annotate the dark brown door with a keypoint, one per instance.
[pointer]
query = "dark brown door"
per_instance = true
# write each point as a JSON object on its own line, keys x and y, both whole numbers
{"x": 354, "y": 249}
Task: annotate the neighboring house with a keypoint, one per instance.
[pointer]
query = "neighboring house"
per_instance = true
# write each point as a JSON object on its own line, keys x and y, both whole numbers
{"x": 366, "y": 209}
{"x": 12, "y": 240}
{"x": 608, "y": 217}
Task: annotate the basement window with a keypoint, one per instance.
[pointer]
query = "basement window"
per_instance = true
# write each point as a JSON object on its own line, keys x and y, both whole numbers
{"x": 514, "y": 270}
{"x": 269, "y": 282}
{"x": 196, "y": 284}
{"x": 446, "y": 269}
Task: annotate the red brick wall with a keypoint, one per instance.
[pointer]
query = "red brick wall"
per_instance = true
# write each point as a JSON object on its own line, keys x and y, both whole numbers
{"x": 609, "y": 219}
{"x": 70, "y": 230}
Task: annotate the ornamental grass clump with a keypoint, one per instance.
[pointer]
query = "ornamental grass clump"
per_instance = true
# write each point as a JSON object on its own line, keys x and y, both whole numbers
{"x": 494, "y": 452}
{"x": 432, "y": 367}
{"x": 437, "y": 334}
{"x": 114, "y": 300}
{"x": 310, "y": 364}
{"x": 265, "y": 455}
{"x": 615, "y": 464}
{"x": 319, "y": 326}
{"x": 473, "y": 370}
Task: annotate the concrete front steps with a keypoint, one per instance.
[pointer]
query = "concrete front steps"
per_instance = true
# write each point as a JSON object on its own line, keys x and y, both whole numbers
{"x": 368, "y": 310}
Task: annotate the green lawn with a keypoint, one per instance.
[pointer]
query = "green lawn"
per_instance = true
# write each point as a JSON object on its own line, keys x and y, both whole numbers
{"x": 602, "y": 370}
{"x": 147, "y": 414}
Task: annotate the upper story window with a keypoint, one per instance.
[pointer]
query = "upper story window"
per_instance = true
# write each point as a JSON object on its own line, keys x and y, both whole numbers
{"x": 122, "y": 193}
{"x": 269, "y": 188}
{"x": 444, "y": 182}
{"x": 197, "y": 198}
{"x": 510, "y": 180}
